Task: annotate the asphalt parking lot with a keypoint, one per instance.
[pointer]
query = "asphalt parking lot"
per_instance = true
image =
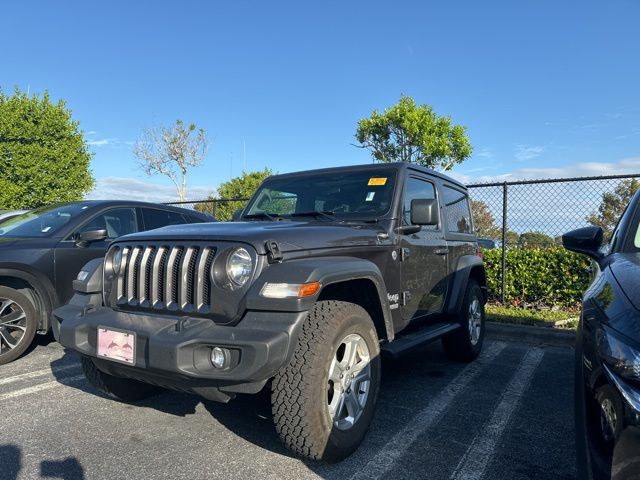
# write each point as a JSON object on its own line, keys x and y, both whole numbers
{"x": 509, "y": 415}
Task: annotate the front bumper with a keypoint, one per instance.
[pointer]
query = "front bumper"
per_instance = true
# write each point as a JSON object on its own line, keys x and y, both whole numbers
{"x": 174, "y": 352}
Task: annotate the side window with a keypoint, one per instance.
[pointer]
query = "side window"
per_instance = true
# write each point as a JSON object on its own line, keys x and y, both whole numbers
{"x": 155, "y": 218}
{"x": 457, "y": 212}
{"x": 416, "y": 189}
{"x": 117, "y": 222}
{"x": 276, "y": 202}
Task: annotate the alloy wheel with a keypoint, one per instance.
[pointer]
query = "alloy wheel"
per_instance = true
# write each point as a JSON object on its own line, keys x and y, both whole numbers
{"x": 608, "y": 420}
{"x": 349, "y": 381}
{"x": 474, "y": 320}
{"x": 13, "y": 325}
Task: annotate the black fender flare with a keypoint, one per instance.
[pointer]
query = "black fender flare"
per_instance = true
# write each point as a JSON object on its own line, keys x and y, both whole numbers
{"x": 42, "y": 286}
{"x": 327, "y": 271}
{"x": 458, "y": 285}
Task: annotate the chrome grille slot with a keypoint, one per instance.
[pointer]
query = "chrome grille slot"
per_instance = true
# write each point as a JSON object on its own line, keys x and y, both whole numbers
{"x": 165, "y": 278}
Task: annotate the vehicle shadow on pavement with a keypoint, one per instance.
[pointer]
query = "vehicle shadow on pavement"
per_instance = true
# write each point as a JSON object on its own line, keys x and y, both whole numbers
{"x": 11, "y": 465}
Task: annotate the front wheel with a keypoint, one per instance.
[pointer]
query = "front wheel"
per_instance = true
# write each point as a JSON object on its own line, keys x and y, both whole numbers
{"x": 323, "y": 401}
{"x": 18, "y": 321}
{"x": 465, "y": 343}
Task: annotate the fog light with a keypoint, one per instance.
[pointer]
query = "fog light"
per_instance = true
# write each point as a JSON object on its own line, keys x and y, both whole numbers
{"x": 219, "y": 357}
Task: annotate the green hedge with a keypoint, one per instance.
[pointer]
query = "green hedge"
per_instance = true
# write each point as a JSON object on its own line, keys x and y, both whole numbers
{"x": 552, "y": 276}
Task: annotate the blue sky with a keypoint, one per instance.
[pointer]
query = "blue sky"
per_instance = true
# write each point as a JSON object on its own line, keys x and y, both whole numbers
{"x": 545, "y": 88}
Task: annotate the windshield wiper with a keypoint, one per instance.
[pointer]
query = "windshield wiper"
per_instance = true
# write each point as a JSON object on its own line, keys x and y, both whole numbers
{"x": 316, "y": 213}
{"x": 269, "y": 216}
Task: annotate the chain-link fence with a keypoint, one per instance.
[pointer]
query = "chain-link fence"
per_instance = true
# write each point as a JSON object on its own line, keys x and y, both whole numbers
{"x": 535, "y": 213}
{"x": 538, "y": 212}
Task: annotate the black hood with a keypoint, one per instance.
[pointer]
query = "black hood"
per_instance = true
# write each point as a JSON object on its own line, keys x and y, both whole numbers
{"x": 626, "y": 270}
{"x": 290, "y": 235}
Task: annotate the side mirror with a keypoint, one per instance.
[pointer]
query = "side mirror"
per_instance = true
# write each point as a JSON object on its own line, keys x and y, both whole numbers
{"x": 85, "y": 238}
{"x": 587, "y": 241}
{"x": 235, "y": 216}
{"x": 424, "y": 212}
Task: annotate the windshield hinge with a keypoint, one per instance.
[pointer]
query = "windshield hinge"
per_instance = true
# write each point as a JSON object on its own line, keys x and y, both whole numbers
{"x": 274, "y": 255}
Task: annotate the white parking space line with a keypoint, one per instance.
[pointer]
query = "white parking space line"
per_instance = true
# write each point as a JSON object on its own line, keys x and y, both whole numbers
{"x": 382, "y": 463}
{"x": 476, "y": 459}
{"x": 41, "y": 387}
{"x": 37, "y": 373}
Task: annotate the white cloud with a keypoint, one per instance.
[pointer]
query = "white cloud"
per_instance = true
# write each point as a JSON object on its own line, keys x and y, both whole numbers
{"x": 119, "y": 188}
{"x": 102, "y": 142}
{"x": 485, "y": 153}
{"x": 527, "y": 152}
{"x": 582, "y": 169}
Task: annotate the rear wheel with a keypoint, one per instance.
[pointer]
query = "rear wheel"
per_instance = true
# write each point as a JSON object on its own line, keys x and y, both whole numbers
{"x": 324, "y": 399}
{"x": 18, "y": 321}
{"x": 465, "y": 343}
{"x": 122, "y": 389}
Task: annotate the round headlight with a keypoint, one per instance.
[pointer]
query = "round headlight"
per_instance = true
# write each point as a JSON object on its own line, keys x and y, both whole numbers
{"x": 116, "y": 260}
{"x": 239, "y": 266}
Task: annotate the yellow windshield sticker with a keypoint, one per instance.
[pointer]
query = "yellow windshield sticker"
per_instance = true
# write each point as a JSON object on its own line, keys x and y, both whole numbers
{"x": 377, "y": 181}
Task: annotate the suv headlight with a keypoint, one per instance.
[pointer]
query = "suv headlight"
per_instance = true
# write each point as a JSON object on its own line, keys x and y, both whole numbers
{"x": 620, "y": 357}
{"x": 239, "y": 266}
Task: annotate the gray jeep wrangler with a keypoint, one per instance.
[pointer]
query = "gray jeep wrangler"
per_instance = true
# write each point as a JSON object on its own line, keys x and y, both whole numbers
{"x": 322, "y": 273}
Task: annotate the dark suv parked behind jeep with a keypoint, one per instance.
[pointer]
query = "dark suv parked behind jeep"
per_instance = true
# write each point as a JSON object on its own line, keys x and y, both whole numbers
{"x": 42, "y": 251}
{"x": 323, "y": 271}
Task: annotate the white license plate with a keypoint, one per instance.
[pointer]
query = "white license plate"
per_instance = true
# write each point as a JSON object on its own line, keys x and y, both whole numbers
{"x": 117, "y": 345}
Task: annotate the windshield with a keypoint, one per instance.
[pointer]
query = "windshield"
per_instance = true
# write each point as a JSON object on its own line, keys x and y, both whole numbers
{"x": 365, "y": 194}
{"x": 41, "y": 222}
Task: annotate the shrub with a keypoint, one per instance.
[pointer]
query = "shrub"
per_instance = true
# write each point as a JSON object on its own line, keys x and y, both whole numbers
{"x": 552, "y": 276}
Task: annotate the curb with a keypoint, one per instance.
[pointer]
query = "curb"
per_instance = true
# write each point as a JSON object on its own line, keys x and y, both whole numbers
{"x": 530, "y": 334}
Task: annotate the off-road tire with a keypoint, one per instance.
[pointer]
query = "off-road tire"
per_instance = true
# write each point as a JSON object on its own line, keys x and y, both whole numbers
{"x": 458, "y": 345}
{"x": 121, "y": 389}
{"x": 31, "y": 321}
{"x": 299, "y": 395}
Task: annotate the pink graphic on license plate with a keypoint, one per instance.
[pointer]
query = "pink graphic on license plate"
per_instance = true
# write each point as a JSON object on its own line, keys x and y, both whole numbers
{"x": 116, "y": 345}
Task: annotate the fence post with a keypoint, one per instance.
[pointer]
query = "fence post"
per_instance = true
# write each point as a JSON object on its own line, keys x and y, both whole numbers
{"x": 504, "y": 241}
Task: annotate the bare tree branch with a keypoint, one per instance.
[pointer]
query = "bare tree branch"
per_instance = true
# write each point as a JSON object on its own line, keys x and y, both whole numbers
{"x": 172, "y": 151}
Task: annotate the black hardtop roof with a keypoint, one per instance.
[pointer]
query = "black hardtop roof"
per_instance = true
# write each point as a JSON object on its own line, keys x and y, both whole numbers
{"x": 374, "y": 166}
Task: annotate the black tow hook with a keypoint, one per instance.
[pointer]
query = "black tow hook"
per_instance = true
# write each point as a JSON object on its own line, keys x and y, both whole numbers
{"x": 181, "y": 324}
{"x": 87, "y": 309}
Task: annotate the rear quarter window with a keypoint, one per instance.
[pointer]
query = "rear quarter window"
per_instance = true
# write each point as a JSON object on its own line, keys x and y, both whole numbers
{"x": 457, "y": 211}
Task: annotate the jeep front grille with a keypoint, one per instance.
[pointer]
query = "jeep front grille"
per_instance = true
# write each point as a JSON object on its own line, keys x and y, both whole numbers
{"x": 173, "y": 278}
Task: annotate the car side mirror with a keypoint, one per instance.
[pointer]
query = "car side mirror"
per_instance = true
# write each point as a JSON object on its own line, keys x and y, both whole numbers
{"x": 85, "y": 238}
{"x": 586, "y": 241}
{"x": 424, "y": 212}
{"x": 235, "y": 216}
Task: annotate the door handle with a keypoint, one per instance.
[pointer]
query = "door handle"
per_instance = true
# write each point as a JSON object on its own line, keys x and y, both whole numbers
{"x": 441, "y": 251}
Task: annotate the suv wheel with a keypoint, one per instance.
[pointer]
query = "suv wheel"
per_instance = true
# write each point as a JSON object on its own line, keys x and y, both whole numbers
{"x": 17, "y": 324}
{"x": 465, "y": 343}
{"x": 323, "y": 401}
{"x": 122, "y": 389}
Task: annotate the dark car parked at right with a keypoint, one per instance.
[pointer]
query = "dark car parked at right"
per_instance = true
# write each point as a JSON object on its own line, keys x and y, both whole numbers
{"x": 608, "y": 351}
{"x": 43, "y": 250}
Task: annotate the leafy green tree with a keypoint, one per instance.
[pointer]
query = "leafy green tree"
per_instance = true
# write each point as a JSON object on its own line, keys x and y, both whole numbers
{"x": 44, "y": 157}
{"x": 612, "y": 206}
{"x": 172, "y": 151}
{"x": 407, "y": 132}
{"x": 536, "y": 239}
{"x": 484, "y": 221}
{"x": 242, "y": 187}
{"x": 512, "y": 238}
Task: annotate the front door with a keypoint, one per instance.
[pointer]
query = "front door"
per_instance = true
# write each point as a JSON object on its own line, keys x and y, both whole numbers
{"x": 423, "y": 258}
{"x": 70, "y": 258}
